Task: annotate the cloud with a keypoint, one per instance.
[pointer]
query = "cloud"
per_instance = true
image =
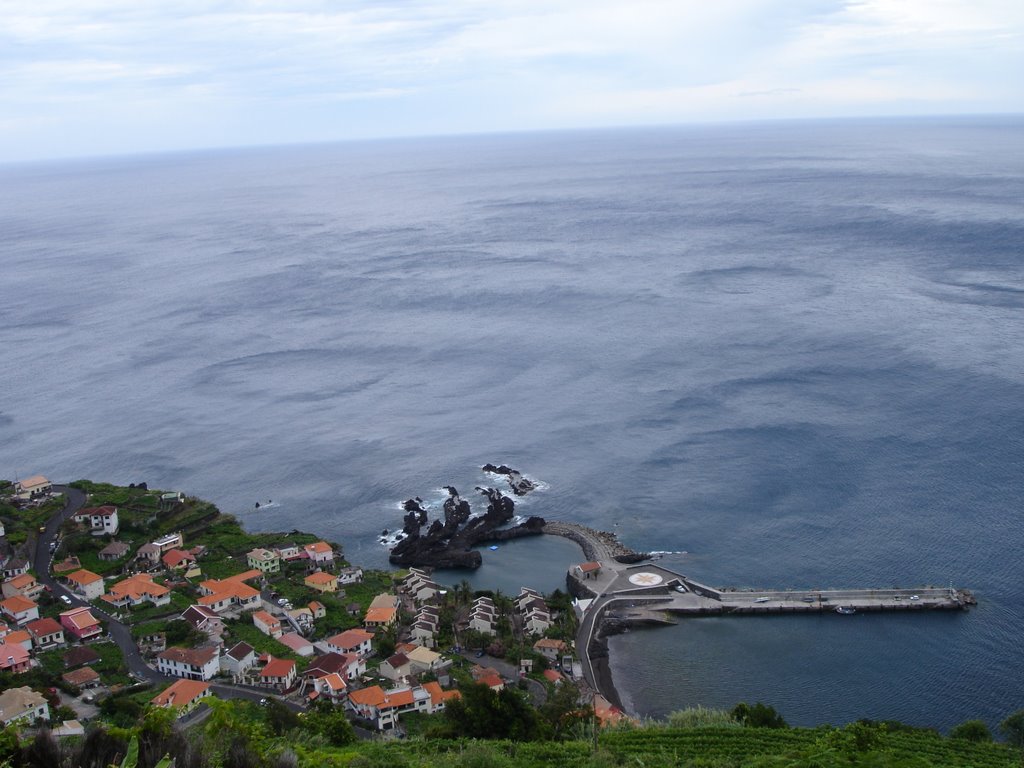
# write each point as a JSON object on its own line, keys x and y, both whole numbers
{"x": 381, "y": 68}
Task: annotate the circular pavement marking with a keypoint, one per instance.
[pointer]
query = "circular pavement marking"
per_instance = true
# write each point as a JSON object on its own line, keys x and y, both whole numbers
{"x": 646, "y": 579}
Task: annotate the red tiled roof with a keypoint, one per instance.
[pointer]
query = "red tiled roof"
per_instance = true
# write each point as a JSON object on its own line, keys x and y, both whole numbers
{"x": 17, "y": 604}
{"x": 81, "y": 676}
{"x": 176, "y": 557}
{"x": 84, "y": 577}
{"x": 79, "y": 618}
{"x": 22, "y": 580}
{"x": 320, "y": 577}
{"x": 181, "y": 693}
{"x": 380, "y": 615}
{"x": 42, "y": 627}
{"x": 350, "y": 638}
{"x": 373, "y": 696}
{"x": 278, "y": 668}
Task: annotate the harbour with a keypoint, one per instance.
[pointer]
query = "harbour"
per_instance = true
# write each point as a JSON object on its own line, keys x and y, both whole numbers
{"x": 645, "y": 593}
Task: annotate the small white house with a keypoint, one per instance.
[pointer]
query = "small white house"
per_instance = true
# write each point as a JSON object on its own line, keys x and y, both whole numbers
{"x": 238, "y": 659}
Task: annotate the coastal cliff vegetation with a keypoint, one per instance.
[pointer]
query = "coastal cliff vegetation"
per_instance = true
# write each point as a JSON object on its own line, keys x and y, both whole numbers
{"x": 243, "y": 735}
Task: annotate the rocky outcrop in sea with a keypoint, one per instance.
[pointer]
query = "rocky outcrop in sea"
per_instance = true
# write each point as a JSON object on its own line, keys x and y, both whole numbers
{"x": 520, "y": 485}
{"x": 449, "y": 543}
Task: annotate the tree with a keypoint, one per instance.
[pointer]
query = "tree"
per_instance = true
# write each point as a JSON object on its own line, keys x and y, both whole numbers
{"x": 562, "y": 712}
{"x": 279, "y": 717}
{"x": 972, "y": 730}
{"x": 758, "y": 716}
{"x": 1013, "y": 728}
{"x": 480, "y": 713}
{"x": 386, "y": 640}
{"x": 331, "y": 723}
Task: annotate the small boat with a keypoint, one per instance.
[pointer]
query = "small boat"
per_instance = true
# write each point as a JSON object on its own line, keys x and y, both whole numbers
{"x": 846, "y": 610}
{"x": 493, "y": 547}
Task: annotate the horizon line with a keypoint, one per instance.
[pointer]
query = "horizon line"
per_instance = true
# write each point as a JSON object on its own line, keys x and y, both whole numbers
{"x": 203, "y": 149}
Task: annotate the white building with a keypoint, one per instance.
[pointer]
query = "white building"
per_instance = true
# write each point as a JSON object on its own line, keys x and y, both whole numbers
{"x": 99, "y": 519}
{"x": 22, "y": 704}
{"x": 86, "y": 583}
{"x": 238, "y": 659}
{"x": 350, "y": 575}
{"x": 189, "y": 663}
{"x": 31, "y": 487}
{"x": 357, "y": 641}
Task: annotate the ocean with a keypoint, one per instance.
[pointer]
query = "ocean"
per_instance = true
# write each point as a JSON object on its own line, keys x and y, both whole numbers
{"x": 791, "y": 350}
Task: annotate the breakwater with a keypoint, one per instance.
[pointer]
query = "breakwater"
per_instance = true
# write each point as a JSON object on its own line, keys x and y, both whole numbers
{"x": 622, "y": 590}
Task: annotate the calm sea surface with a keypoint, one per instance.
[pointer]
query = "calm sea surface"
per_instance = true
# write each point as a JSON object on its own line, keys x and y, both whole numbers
{"x": 795, "y": 351}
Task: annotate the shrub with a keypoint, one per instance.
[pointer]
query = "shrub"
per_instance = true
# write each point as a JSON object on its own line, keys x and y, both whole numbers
{"x": 972, "y": 730}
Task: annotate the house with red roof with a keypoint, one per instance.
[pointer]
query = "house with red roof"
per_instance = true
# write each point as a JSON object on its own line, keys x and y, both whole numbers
{"x": 553, "y": 676}
{"x": 178, "y": 559}
{"x": 20, "y": 610}
{"x": 590, "y": 570}
{"x": 80, "y": 624}
{"x": 183, "y": 696}
{"x": 356, "y": 641}
{"x": 278, "y": 673}
{"x": 86, "y": 583}
{"x": 320, "y": 553}
{"x": 24, "y": 584}
{"x": 137, "y": 589}
{"x": 331, "y": 687}
{"x": 550, "y": 649}
{"x": 221, "y": 594}
{"x": 383, "y": 707}
{"x": 322, "y": 581}
{"x": 348, "y": 665}
{"x": 19, "y": 637}
{"x": 267, "y": 624}
{"x": 46, "y": 633}
{"x": 14, "y": 658}
{"x": 380, "y": 617}
{"x": 101, "y": 520}
{"x": 86, "y": 677}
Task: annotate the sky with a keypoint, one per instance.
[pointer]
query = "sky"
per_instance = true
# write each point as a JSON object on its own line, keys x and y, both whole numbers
{"x": 95, "y": 77}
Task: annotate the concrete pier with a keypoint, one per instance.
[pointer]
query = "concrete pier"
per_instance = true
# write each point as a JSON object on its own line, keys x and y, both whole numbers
{"x": 636, "y": 587}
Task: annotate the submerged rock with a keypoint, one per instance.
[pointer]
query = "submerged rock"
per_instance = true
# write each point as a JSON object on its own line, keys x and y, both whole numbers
{"x": 520, "y": 485}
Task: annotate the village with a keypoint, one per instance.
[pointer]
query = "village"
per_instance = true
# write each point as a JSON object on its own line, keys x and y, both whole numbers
{"x": 158, "y": 597}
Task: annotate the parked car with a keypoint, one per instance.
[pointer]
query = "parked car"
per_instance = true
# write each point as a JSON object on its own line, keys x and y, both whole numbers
{"x": 65, "y": 599}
